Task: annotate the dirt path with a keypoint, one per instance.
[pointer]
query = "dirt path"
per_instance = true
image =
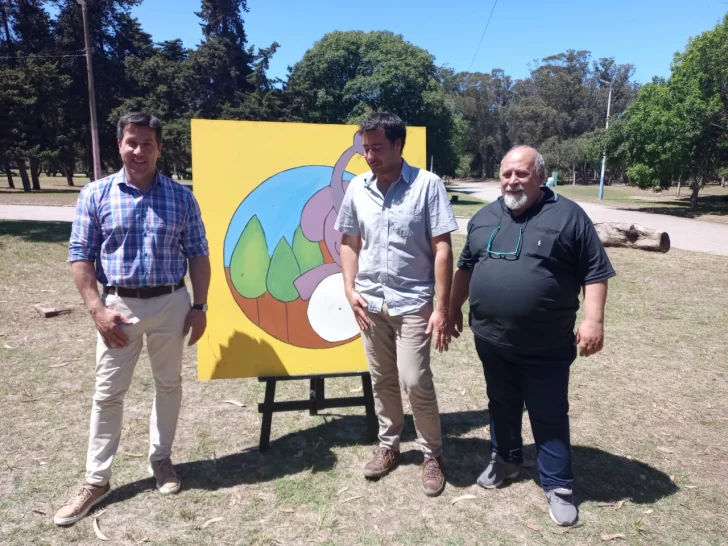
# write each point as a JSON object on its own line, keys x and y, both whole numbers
{"x": 685, "y": 233}
{"x": 37, "y": 213}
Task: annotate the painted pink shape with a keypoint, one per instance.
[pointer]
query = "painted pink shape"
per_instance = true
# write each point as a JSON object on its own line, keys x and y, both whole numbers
{"x": 318, "y": 219}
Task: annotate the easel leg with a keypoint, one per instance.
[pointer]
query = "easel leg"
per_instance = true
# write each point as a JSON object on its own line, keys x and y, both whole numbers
{"x": 372, "y": 423}
{"x": 270, "y": 393}
{"x": 312, "y": 397}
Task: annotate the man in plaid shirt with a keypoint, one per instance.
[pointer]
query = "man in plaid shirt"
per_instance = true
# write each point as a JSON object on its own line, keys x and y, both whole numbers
{"x": 136, "y": 233}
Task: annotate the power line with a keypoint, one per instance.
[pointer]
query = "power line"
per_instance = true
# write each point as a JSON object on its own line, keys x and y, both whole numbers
{"x": 483, "y": 35}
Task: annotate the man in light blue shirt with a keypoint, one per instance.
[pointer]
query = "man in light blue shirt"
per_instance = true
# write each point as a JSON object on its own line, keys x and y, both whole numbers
{"x": 396, "y": 257}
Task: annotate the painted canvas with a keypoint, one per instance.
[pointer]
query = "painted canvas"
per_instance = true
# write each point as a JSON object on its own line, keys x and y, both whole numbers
{"x": 269, "y": 194}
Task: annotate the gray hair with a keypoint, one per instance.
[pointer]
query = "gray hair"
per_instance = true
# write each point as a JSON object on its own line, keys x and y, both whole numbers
{"x": 539, "y": 163}
{"x": 143, "y": 120}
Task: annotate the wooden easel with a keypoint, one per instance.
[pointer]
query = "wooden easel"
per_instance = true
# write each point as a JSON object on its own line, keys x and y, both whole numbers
{"x": 317, "y": 401}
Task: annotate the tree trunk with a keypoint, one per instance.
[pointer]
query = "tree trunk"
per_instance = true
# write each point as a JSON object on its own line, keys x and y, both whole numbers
{"x": 679, "y": 185}
{"x": 68, "y": 173}
{"x": 573, "y": 182}
{"x": 9, "y": 174}
{"x": 24, "y": 175}
{"x": 695, "y": 186}
{"x": 90, "y": 171}
{"x": 34, "y": 170}
{"x": 632, "y": 236}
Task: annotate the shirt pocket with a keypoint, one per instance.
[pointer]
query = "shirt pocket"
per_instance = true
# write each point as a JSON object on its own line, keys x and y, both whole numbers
{"x": 169, "y": 225}
{"x": 406, "y": 224}
{"x": 539, "y": 245}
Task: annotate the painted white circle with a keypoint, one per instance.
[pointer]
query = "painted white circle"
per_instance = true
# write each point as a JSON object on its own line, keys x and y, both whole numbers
{"x": 329, "y": 311}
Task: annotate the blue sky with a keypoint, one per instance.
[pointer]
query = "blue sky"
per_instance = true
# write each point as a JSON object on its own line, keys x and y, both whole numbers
{"x": 645, "y": 33}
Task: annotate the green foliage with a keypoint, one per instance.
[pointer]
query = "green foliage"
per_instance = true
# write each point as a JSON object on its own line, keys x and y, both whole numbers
{"x": 250, "y": 261}
{"x": 557, "y": 109}
{"x": 44, "y": 110}
{"x": 346, "y": 75}
{"x": 642, "y": 176}
{"x": 308, "y": 254}
{"x": 676, "y": 128}
{"x": 283, "y": 271}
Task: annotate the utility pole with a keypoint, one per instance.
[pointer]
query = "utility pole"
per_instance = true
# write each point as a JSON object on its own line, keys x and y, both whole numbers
{"x": 91, "y": 94}
{"x": 604, "y": 157}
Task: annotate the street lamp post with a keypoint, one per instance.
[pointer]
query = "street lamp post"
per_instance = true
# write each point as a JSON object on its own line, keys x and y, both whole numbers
{"x": 91, "y": 94}
{"x": 604, "y": 157}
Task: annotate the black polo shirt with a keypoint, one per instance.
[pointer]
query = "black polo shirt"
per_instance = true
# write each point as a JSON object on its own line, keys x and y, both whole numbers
{"x": 529, "y": 298}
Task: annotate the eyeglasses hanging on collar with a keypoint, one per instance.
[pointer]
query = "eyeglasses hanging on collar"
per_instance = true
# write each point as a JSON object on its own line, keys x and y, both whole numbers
{"x": 489, "y": 248}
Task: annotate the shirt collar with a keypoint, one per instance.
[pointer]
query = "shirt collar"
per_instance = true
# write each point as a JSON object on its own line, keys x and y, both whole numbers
{"x": 407, "y": 175}
{"x": 121, "y": 178}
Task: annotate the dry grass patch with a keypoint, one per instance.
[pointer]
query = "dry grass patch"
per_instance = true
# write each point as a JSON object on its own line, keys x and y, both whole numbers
{"x": 652, "y": 406}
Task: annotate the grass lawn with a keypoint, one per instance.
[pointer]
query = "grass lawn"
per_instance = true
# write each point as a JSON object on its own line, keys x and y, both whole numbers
{"x": 466, "y": 205}
{"x": 712, "y": 200}
{"x": 649, "y": 420}
{"x": 54, "y": 191}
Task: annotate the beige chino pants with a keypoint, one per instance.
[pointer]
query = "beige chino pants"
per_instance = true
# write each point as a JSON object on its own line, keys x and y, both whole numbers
{"x": 162, "y": 320}
{"x": 398, "y": 353}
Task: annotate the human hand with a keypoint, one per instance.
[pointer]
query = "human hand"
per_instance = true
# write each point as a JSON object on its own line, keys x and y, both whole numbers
{"x": 359, "y": 305}
{"x": 438, "y": 327}
{"x": 107, "y": 323}
{"x": 590, "y": 337}
{"x": 196, "y": 322}
{"x": 455, "y": 322}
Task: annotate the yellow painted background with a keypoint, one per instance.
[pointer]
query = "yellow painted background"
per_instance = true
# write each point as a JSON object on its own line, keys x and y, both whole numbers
{"x": 230, "y": 159}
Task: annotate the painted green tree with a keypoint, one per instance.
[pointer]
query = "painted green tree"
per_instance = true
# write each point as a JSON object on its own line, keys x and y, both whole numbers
{"x": 250, "y": 261}
{"x": 308, "y": 254}
{"x": 282, "y": 272}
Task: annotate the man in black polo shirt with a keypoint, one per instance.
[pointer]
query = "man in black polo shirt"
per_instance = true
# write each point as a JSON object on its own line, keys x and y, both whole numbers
{"x": 527, "y": 257}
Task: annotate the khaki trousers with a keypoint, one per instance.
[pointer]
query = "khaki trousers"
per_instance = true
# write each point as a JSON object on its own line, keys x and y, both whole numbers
{"x": 398, "y": 353}
{"x": 162, "y": 320}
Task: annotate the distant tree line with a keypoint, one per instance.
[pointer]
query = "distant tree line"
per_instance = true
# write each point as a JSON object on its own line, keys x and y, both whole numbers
{"x": 472, "y": 118}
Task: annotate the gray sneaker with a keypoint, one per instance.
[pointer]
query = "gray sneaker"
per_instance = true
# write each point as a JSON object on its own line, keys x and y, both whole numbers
{"x": 563, "y": 511}
{"x": 497, "y": 472}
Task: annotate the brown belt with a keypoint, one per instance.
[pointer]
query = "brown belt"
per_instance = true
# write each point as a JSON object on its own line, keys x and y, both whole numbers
{"x": 144, "y": 292}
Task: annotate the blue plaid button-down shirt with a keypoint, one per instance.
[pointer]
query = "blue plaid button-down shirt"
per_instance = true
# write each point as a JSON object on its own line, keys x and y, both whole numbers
{"x": 137, "y": 239}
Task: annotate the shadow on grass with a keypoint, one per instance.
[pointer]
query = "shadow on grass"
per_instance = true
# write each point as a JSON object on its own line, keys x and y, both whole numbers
{"x": 708, "y": 205}
{"x": 304, "y": 450}
{"x": 469, "y": 202}
{"x": 36, "y": 232}
{"x": 601, "y": 476}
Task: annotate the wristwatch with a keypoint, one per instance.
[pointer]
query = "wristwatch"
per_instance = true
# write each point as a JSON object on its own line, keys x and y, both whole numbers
{"x": 200, "y": 307}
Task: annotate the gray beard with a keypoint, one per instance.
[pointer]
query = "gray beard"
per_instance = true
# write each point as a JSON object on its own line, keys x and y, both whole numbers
{"x": 515, "y": 203}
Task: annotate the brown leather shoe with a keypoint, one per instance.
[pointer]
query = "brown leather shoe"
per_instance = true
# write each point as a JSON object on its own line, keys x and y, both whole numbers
{"x": 384, "y": 460}
{"x": 76, "y": 508}
{"x": 433, "y": 480}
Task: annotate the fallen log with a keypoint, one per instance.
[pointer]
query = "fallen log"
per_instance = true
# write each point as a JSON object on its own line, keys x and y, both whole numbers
{"x": 632, "y": 236}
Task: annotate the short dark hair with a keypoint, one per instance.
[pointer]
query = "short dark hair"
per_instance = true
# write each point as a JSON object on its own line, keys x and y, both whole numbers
{"x": 142, "y": 119}
{"x": 392, "y": 125}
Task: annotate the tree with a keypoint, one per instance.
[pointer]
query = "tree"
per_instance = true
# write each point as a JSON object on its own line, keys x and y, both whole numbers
{"x": 221, "y": 65}
{"x": 249, "y": 262}
{"x": 480, "y": 100}
{"x": 33, "y": 92}
{"x": 308, "y": 254}
{"x": 283, "y": 271}
{"x": 678, "y": 128}
{"x": 346, "y": 75}
{"x": 162, "y": 83}
{"x": 114, "y": 36}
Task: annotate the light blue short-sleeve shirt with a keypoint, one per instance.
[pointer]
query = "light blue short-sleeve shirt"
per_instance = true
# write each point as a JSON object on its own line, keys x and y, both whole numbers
{"x": 396, "y": 261}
